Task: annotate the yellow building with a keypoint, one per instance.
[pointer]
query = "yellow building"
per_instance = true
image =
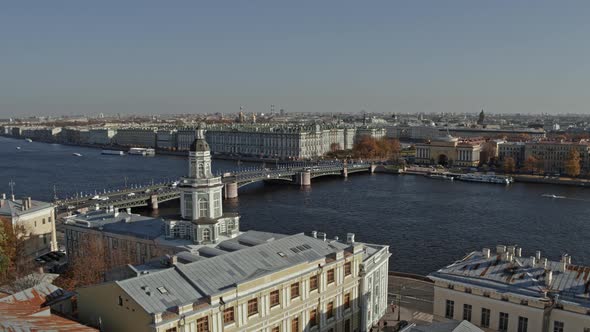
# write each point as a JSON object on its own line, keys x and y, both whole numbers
{"x": 449, "y": 151}
{"x": 34, "y": 221}
{"x": 291, "y": 283}
{"x": 508, "y": 291}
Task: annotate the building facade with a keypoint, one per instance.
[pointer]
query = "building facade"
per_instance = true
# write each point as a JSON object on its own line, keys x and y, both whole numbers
{"x": 449, "y": 151}
{"x": 505, "y": 291}
{"x": 136, "y": 137}
{"x": 554, "y": 154}
{"x": 33, "y": 221}
{"x": 514, "y": 150}
{"x": 293, "y": 283}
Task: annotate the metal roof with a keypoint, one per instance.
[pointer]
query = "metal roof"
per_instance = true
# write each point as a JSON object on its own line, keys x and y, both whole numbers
{"x": 522, "y": 276}
{"x": 189, "y": 283}
{"x": 14, "y": 208}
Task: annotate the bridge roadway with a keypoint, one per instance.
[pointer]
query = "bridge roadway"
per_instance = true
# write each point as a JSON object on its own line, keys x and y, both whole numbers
{"x": 151, "y": 195}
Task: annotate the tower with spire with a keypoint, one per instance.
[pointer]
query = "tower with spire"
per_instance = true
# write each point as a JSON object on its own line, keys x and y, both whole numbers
{"x": 201, "y": 210}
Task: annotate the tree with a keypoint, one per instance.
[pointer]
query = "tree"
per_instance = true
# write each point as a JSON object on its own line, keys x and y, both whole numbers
{"x": 14, "y": 264}
{"x": 572, "y": 163}
{"x": 366, "y": 147}
{"x": 488, "y": 152}
{"x": 531, "y": 164}
{"x": 509, "y": 165}
{"x": 335, "y": 147}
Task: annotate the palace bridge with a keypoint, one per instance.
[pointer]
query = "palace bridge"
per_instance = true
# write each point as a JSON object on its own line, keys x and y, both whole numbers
{"x": 153, "y": 194}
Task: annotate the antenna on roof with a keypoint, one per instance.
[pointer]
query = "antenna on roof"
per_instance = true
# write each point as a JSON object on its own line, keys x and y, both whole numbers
{"x": 11, "y": 184}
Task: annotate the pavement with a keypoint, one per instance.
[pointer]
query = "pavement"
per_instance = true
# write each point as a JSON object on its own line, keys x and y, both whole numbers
{"x": 415, "y": 305}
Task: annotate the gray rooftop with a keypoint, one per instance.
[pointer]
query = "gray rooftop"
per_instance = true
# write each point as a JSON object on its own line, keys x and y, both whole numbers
{"x": 522, "y": 276}
{"x": 120, "y": 223}
{"x": 14, "y": 208}
{"x": 189, "y": 283}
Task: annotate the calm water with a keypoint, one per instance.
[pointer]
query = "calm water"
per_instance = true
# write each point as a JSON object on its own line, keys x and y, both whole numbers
{"x": 427, "y": 223}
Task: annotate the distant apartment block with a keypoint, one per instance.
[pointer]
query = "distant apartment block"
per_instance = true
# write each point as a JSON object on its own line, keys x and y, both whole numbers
{"x": 554, "y": 154}
{"x": 506, "y": 291}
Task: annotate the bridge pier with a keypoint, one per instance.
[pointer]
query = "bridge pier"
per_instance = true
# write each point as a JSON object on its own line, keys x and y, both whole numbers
{"x": 231, "y": 190}
{"x": 344, "y": 172}
{"x": 304, "y": 178}
{"x": 372, "y": 168}
{"x": 154, "y": 202}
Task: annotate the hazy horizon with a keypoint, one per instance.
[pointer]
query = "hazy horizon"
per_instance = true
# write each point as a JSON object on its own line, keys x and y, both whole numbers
{"x": 144, "y": 57}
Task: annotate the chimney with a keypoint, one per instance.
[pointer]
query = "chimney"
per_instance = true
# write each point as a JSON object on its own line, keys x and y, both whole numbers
{"x": 349, "y": 238}
{"x": 314, "y": 234}
{"x": 336, "y": 238}
{"x": 324, "y": 236}
{"x": 563, "y": 266}
{"x": 533, "y": 261}
{"x": 500, "y": 249}
{"x": 548, "y": 278}
{"x": 544, "y": 263}
{"x": 519, "y": 252}
{"x": 172, "y": 260}
{"x": 24, "y": 204}
{"x": 538, "y": 255}
{"x": 486, "y": 252}
{"x": 29, "y": 203}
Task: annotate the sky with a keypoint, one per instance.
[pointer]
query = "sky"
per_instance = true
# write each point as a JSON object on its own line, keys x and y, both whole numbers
{"x": 163, "y": 57}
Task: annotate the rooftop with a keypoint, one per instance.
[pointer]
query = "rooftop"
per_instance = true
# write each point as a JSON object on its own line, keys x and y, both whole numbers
{"x": 15, "y": 208}
{"x": 508, "y": 272}
{"x": 188, "y": 283}
{"x": 119, "y": 222}
{"x": 29, "y": 311}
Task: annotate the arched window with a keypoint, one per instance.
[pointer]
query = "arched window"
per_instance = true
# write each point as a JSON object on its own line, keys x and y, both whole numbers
{"x": 203, "y": 207}
{"x": 206, "y": 234}
{"x": 201, "y": 171}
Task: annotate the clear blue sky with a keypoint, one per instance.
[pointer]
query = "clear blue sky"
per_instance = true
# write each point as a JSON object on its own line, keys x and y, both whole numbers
{"x": 73, "y": 57}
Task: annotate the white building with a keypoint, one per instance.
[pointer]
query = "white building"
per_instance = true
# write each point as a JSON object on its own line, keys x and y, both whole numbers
{"x": 505, "y": 291}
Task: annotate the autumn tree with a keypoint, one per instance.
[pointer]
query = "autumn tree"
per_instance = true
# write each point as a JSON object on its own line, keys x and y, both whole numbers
{"x": 509, "y": 165}
{"x": 531, "y": 164}
{"x": 488, "y": 152}
{"x": 335, "y": 147}
{"x": 366, "y": 147}
{"x": 572, "y": 163}
{"x": 14, "y": 264}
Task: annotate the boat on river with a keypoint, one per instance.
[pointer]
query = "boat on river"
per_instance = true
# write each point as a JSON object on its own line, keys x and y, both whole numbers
{"x": 486, "y": 178}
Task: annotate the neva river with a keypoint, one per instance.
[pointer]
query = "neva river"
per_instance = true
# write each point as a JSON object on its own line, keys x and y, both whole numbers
{"x": 427, "y": 223}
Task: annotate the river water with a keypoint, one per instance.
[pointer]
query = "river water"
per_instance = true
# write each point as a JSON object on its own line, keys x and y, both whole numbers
{"x": 427, "y": 223}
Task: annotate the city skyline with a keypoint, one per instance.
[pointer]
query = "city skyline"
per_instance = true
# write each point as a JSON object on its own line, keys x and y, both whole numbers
{"x": 330, "y": 57}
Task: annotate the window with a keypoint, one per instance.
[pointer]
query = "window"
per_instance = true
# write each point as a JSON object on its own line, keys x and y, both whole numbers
{"x": 330, "y": 276}
{"x": 503, "y": 324}
{"x": 274, "y": 298}
{"x": 558, "y": 326}
{"x": 485, "y": 317}
{"x": 202, "y": 324}
{"x": 346, "y": 300}
{"x": 295, "y": 324}
{"x": 49, "y": 219}
{"x": 203, "y": 207}
{"x": 43, "y": 221}
{"x": 467, "y": 312}
{"x": 188, "y": 205}
{"x": 120, "y": 301}
{"x": 172, "y": 329}
{"x": 162, "y": 290}
{"x": 313, "y": 320}
{"x": 206, "y": 234}
{"x": 217, "y": 205}
{"x": 295, "y": 290}
{"x": 276, "y": 329}
{"x": 450, "y": 309}
{"x": 523, "y": 323}
{"x": 330, "y": 310}
{"x": 347, "y": 269}
{"x": 252, "y": 307}
{"x": 313, "y": 283}
{"x": 35, "y": 223}
{"x": 228, "y": 315}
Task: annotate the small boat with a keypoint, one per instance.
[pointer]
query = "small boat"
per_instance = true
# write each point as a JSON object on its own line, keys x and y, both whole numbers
{"x": 28, "y": 140}
{"x": 142, "y": 151}
{"x": 77, "y": 154}
{"x": 113, "y": 152}
{"x": 18, "y": 147}
{"x": 440, "y": 176}
{"x": 486, "y": 178}
{"x": 552, "y": 196}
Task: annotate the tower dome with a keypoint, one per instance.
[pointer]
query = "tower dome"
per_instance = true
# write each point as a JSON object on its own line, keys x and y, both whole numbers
{"x": 200, "y": 144}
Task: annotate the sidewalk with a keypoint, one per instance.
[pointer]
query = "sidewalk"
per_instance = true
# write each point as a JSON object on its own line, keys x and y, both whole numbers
{"x": 412, "y": 316}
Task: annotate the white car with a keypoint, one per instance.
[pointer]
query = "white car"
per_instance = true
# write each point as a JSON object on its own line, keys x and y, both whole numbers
{"x": 130, "y": 194}
{"x": 104, "y": 198}
{"x": 95, "y": 197}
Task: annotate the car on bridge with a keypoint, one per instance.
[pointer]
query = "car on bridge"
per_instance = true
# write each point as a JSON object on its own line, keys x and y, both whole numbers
{"x": 130, "y": 194}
